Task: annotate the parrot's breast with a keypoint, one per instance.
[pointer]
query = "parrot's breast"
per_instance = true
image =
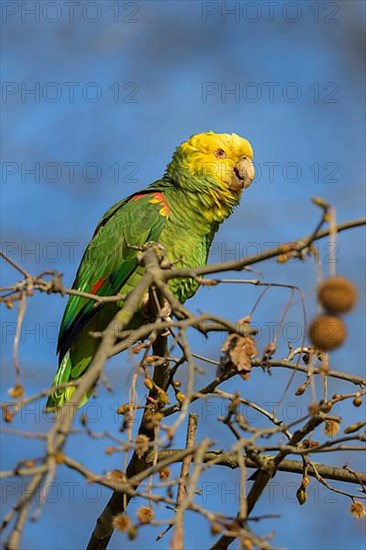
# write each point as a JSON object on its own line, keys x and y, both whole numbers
{"x": 185, "y": 248}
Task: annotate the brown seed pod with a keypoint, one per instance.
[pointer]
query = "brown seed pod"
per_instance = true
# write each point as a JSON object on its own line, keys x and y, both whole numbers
{"x": 337, "y": 295}
{"x": 121, "y": 522}
{"x": 145, "y": 514}
{"x": 327, "y": 332}
{"x": 357, "y": 509}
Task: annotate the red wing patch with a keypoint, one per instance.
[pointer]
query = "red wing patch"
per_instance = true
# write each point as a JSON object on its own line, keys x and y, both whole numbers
{"x": 96, "y": 286}
{"x": 135, "y": 197}
{"x": 158, "y": 198}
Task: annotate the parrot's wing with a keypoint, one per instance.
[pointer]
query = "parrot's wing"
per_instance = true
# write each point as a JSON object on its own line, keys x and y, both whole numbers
{"x": 110, "y": 258}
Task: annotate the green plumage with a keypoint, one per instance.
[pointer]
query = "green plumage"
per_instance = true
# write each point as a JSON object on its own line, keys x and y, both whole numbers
{"x": 111, "y": 261}
{"x": 175, "y": 211}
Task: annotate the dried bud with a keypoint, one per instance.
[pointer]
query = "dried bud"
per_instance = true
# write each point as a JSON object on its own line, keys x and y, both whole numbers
{"x": 314, "y": 408}
{"x": 132, "y": 532}
{"x": 117, "y": 474}
{"x": 327, "y": 332}
{"x": 309, "y": 443}
{"x": 320, "y": 202}
{"x": 110, "y": 450}
{"x": 301, "y": 389}
{"x": 121, "y": 409}
{"x": 145, "y": 514}
{"x": 142, "y": 445}
{"x": 8, "y": 415}
{"x": 337, "y": 295}
{"x": 162, "y": 396}
{"x": 354, "y": 427}
{"x": 301, "y": 495}
{"x": 305, "y": 481}
{"x": 331, "y": 428}
{"x": 138, "y": 347}
{"x": 126, "y": 408}
{"x": 122, "y": 523}
{"x": 151, "y": 359}
{"x": 59, "y": 457}
{"x": 180, "y": 396}
{"x": 357, "y": 509}
{"x": 326, "y": 407}
{"x": 288, "y": 251}
{"x": 269, "y": 351}
{"x": 149, "y": 384}
{"x": 16, "y": 392}
{"x": 152, "y": 419}
{"x": 215, "y": 529}
{"x": 164, "y": 473}
{"x": 207, "y": 282}
{"x": 282, "y": 258}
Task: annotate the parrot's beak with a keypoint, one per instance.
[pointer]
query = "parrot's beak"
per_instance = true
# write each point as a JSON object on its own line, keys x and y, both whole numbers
{"x": 243, "y": 174}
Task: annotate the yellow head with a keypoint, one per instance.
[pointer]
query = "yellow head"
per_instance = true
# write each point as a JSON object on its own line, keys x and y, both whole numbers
{"x": 216, "y": 168}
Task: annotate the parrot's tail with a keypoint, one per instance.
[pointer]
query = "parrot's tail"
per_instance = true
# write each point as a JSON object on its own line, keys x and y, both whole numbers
{"x": 63, "y": 394}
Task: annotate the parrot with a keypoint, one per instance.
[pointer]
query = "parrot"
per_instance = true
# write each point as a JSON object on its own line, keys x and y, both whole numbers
{"x": 182, "y": 211}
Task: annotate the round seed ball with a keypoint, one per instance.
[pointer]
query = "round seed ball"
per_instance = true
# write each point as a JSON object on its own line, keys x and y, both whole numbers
{"x": 327, "y": 332}
{"x": 337, "y": 295}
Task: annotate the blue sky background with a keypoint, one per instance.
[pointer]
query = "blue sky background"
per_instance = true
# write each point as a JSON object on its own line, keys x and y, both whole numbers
{"x": 174, "y": 64}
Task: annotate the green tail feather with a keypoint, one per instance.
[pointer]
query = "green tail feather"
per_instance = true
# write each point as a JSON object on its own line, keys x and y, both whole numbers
{"x": 64, "y": 374}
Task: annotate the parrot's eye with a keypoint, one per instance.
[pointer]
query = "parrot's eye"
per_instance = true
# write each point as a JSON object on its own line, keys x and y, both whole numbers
{"x": 220, "y": 154}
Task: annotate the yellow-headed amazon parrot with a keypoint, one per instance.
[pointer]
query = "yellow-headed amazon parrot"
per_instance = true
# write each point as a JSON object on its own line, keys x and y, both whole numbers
{"x": 182, "y": 211}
